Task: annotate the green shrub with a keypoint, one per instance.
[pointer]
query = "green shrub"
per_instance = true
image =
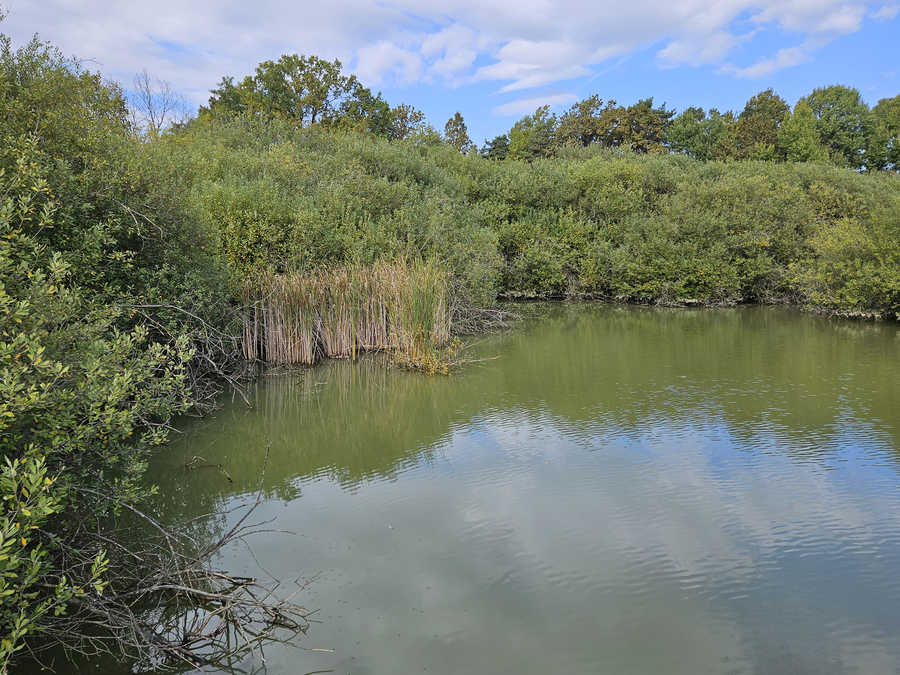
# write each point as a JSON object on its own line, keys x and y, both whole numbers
{"x": 607, "y": 223}
{"x": 95, "y": 257}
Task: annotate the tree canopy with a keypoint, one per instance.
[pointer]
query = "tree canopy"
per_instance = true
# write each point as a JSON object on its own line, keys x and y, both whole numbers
{"x": 533, "y": 135}
{"x": 497, "y": 148}
{"x": 457, "y": 134}
{"x": 799, "y": 138}
{"x": 405, "y": 121}
{"x": 584, "y": 123}
{"x": 699, "y": 134}
{"x": 833, "y": 124}
{"x": 843, "y": 123}
{"x": 755, "y": 133}
{"x": 883, "y": 149}
{"x": 305, "y": 90}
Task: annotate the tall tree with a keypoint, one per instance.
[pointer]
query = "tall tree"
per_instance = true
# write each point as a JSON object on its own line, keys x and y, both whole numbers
{"x": 843, "y": 121}
{"x": 365, "y": 112}
{"x": 532, "y": 136}
{"x": 724, "y": 146}
{"x": 228, "y": 97}
{"x": 756, "y": 129}
{"x": 798, "y": 136}
{"x": 457, "y": 134}
{"x": 304, "y": 89}
{"x": 684, "y": 135}
{"x": 645, "y": 126}
{"x": 156, "y": 106}
{"x": 496, "y": 148}
{"x": 696, "y": 133}
{"x": 883, "y": 151}
{"x": 581, "y": 124}
{"x": 406, "y": 120}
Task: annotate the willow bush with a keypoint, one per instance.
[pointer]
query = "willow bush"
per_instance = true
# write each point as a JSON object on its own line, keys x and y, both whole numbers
{"x": 651, "y": 228}
{"x": 113, "y": 308}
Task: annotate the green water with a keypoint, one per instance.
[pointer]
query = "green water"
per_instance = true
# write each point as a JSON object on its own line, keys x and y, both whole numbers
{"x": 608, "y": 490}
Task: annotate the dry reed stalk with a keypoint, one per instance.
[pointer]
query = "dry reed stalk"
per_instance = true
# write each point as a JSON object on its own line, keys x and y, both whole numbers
{"x": 336, "y": 313}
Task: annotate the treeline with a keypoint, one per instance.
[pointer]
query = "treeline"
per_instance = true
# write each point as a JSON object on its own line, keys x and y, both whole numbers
{"x": 308, "y": 90}
{"x": 126, "y": 255}
{"x": 831, "y": 124}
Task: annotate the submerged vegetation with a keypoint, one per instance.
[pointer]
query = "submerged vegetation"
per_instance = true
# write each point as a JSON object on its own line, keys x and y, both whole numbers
{"x": 140, "y": 268}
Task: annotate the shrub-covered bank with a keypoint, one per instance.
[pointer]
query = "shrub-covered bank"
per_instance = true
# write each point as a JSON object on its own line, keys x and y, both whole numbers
{"x": 115, "y": 316}
{"x": 651, "y": 228}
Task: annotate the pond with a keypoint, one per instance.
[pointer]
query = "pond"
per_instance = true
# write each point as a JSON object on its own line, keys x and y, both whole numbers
{"x": 603, "y": 489}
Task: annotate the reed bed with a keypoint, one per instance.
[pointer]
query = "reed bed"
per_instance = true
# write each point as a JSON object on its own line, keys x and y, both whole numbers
{"x": 300, "y": 318}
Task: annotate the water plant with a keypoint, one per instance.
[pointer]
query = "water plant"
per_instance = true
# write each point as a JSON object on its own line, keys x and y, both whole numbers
{"x": 298, "y": 318}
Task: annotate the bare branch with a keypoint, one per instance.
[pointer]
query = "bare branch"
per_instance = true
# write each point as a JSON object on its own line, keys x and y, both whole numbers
{"x": 166, "y": 606}
{"x": 157, "y": 105}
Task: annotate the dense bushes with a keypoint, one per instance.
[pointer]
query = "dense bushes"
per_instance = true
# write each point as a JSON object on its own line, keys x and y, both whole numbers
{"x": 596, "y": 223}
{"x": 91, "y": 367}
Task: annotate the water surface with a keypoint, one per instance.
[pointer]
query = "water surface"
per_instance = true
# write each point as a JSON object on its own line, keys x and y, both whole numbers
{"x": 608, "y": 490}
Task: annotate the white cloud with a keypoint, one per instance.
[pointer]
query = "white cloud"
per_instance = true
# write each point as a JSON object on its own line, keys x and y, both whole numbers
{"x": 821, "y": 20}
{"x": 814, "y": 16}
{"x": 524, "y": 106}
{"x": 520, "y": 45}
{"x": 712, "y": 48}
{"x": 528, "y": 64}
{"x": 379, "y": 62}
{"x": 783, "y": 58}
{"x": 192, "y": 45}
{"x": 452, "y": 51}
{"x": 886, "y": 13}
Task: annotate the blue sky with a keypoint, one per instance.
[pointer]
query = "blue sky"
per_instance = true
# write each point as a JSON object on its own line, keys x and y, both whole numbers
{"x": 493, "y": 61}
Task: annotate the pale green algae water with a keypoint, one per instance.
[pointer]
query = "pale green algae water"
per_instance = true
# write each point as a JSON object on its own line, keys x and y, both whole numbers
{"x": 612, "y": 490}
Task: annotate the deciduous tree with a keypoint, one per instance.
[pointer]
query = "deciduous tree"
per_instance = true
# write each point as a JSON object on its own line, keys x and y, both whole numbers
{"x": 645, "y": 126}
{"x": 457, "y": 135}
{"x": 843, "y": 122}
{"x": 533, "y": 135}
{"x": 883, "y": 151}
{"x": 156, "y": 105}
{"x": 696, "y": 133}
{"x": 756, "y": 129}
{"x": 406, "y": 120}
{"x": 582, "y": 123}
{"x": 497, "y": 148}
{"x": 798, "y": 137}
{"x": 303, "y": 89}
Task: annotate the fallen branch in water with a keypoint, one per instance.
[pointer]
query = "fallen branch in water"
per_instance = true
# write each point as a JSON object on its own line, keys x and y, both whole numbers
{"x": 166, "y": 606}
{"x": 470, "y": 320}
{"x": 197, "y": 462}
{"x": 217, "y": 354}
